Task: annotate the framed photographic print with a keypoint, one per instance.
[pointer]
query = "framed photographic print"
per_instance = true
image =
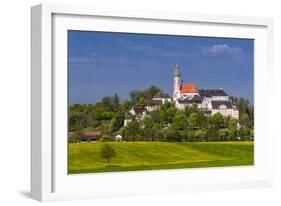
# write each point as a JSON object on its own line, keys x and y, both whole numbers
{"x": 135, "y": 102}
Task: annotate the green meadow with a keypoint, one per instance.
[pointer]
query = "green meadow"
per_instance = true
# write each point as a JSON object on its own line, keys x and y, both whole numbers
{"x": 132, "y": 156}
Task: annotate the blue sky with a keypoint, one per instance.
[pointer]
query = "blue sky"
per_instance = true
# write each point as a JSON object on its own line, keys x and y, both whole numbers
{"x": 101, "y": 64}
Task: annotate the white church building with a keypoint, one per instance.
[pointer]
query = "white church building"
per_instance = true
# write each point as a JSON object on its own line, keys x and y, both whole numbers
{"x": 209, "y": 100}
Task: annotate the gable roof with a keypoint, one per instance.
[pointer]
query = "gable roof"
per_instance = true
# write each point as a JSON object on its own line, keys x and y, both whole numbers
{"x": 161, "y": 95}
{"x": 196, "y": 99}
{"x": 212, "y": 92}
{"x": 189, "y": 88}
{"x": 151, "y": 102}
{"x": 217, "y": 104}
{"x": 138, "y": 109}
{"x": 91, "y": 133}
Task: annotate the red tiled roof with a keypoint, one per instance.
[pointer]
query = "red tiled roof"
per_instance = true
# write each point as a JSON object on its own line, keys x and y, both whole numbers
{"x": 189, "y": 88}
{"x": 91, "y": 133}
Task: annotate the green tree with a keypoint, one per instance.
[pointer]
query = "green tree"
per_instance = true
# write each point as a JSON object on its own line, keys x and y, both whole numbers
{"x": 151, "y": 91}
{"x": 75, "y": 137}
{"x": 127, "y": 104}
{"x": 118, "y": 121}
{"x": 232, "y": 128}
{"x": 200, "y": 135}
{"x": 155, "y": 115}
{"x": 148, "y": 122}
{"x": 167, "y": 112}
{"x": 180, "y": 121}
{"x": 107, "y": 152}
{"x": 193, "y": 120}
{"x": 107, "y": 115}
{"x": 107, "y": 102}
{"x": 212, "y": 133}
{"x": 141, "y": 102}
{"x": 85, "y": 120}
{"x": 223, "y": 134}
{"x": 172, "y": 136}
{"x": 135, "y": 95}
{"x": 116, "y": 102}
{"x": 197, "y": 120}
{"x": 252, "y": 134}
{"x": 159, "y": 135}
{"x": 244, "y": 119}
{"x": 216, "y": 120}
{"x": 148, "y": 93}
{"x": 105, "y": 127}
{"x": 244, "y": 132}
{"x": 106, "y": 138}
{"x": 191, "y": 109}
{"x": 151, "y": 128}
{"x": 244, "y": 106}
{"x": 131, "y": 131}
{"x": 74, "y": 118}
{"x": 148, "y": 125}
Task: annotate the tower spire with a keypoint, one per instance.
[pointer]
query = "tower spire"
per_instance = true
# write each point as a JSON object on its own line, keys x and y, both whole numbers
{"x": 177, "y": 71}
{"x": 177, "y": 82}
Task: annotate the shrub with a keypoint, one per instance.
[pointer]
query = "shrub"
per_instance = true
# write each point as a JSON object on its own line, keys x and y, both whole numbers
{"x": 74, "y": 137}
{"x": 173, "y": 136}
{"x": 106, "y": 138}
{"x": 107, "y": 152}
{"x": 200, "y": 135}
{"x": 191, "y": 135}
{"x": 212, "y": 134}
{"x": 140, "y": 138}
{"x": 244, "y": 133}
{"x": 223, "y": 134}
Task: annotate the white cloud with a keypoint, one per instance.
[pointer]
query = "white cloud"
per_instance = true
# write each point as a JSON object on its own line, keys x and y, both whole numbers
{"x": 221, "y": 49}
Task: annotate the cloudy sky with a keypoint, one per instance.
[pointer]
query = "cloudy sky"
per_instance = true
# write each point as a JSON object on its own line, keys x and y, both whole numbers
{"x": 101, "y": 64}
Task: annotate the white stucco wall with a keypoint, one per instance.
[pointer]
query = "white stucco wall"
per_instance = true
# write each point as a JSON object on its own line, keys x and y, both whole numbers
{"x": 185, "y": 95}
{"x": 227, "y": 112}
{"x": 126, "y": 122}
{"x": 151, "y": 108}
{"x": 163, "y": 99}
{"x": 220, "y": 98}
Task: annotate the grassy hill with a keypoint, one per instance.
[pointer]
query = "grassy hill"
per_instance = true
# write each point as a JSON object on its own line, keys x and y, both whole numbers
{"x": 130, "y": 156}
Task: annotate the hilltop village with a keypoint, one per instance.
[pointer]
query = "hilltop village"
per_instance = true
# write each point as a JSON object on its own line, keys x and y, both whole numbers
{"x": 189, "y": 114}
{"x": 209, "y": 101}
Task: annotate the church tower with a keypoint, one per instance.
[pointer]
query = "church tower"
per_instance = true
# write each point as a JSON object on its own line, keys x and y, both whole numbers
{"x": 177, "y": 83}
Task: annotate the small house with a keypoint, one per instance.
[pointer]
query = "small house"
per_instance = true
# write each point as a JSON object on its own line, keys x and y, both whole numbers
{"x": 90, "y": 136}
{"x": 162, "y": 96}
{"x": 151, "y": 105}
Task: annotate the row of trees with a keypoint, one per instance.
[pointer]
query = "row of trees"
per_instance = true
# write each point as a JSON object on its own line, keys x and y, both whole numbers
{"x": 108, "y": 114}
{"x": 170, "y": 124}
{"x": 165, "y": 124}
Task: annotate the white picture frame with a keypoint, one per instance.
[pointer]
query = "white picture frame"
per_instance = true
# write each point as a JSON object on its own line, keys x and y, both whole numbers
{"x": 49, "y": 178}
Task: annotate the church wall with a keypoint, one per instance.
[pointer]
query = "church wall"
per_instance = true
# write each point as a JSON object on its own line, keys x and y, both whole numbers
{"x": 227, "y": 112}
{"x": 185, "y": 95}
{"x": 220, "y": 98}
